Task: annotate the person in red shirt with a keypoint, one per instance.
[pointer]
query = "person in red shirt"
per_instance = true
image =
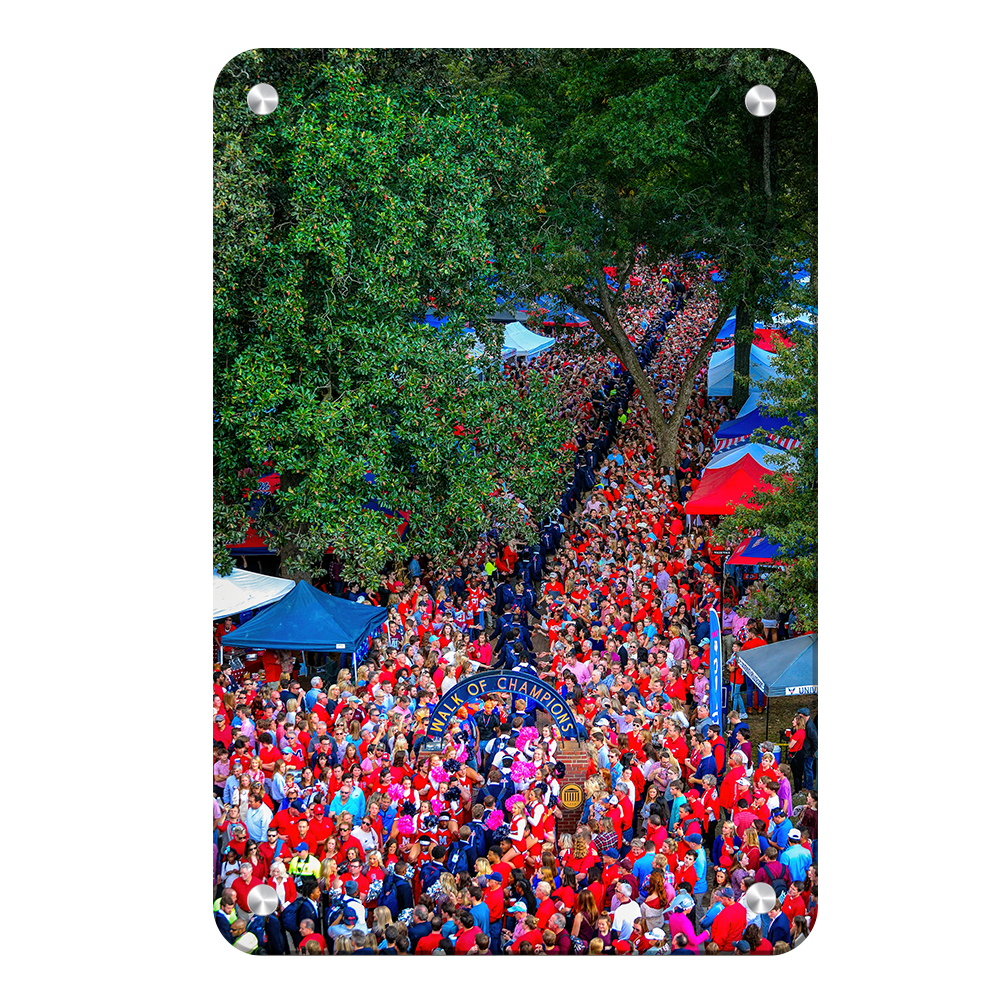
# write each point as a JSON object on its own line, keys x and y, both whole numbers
{"x": 727, "y": 790}
{"x": 729, "y": 924}
{"x": 543, "y": 892}
{"x": 793, "y": 906}
{"x": 246, "y": 881}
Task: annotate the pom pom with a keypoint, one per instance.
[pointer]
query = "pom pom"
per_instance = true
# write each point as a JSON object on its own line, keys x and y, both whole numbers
{"x": 514, "y": 799}
{"x": 528, "y": 734}
{"x": 452, "y": 795}
{"x": 560, "y": 769}
{"x": 503, "y": 830}
{"x": 438, "y": 774}
{"x": 463, "y": 756}
{"x": 395, "y": 792}
{"x": 408, "y": 809}
{"x": 495, "y": 820}
{"x": 523, "y": 770}
{"x": 451, "y": 766}
{"x": 405, "y": 824}
{"x": 438, "y": 806}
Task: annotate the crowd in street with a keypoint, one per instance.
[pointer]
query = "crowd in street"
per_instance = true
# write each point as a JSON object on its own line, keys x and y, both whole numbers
{"x": 378, "y": 839}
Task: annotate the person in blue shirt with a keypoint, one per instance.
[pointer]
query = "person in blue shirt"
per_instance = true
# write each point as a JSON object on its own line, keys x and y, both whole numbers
{"x": 795, "y": 856}
{"x": 414, "y": 568}
{"x": 713, "y": 911}
{"x": 782, "y": 827}
{"x": 643, "y": 866}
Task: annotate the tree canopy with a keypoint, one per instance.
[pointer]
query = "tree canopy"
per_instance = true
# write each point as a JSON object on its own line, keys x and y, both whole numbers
{"x": 339, "y": 218}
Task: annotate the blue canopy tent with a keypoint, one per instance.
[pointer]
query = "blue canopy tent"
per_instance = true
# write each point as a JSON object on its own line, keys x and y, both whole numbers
{"x": 722, "y": 363}
{"x": 526, "y": 344}
{"x": 309, "y": 620}
{"x": 734, "y": 431}
{"x": 729, "y": 327}
{"x": 783, "y": 669}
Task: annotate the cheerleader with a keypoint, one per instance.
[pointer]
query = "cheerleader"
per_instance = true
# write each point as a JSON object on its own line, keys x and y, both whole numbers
{"x": 409, "y": 793}
{"x": 550, "y": 743}
{"x": 519, "y": 834}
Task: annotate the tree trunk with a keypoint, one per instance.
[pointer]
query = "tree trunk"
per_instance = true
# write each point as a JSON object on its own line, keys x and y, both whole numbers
{"x": 608, "y": 328}
{"x": 687, "y": 385}
{"x": 741, "y": 359}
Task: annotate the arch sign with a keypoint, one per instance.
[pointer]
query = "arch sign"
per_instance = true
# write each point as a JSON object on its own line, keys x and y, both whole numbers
{"x": 508, "y": 682}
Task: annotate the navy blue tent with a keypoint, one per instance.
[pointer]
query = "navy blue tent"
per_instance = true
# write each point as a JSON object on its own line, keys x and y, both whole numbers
{"x": 310, "y": 620}
{"x": 753, "y": 421}
{"x": 783, "y": 668}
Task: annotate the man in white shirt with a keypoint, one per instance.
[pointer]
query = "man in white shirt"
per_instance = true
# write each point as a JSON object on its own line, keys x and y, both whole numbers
{"x": 627, "y": 912}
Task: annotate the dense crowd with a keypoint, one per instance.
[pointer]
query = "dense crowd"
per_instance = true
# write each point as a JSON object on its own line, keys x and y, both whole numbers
{"x": 378, "y": 839}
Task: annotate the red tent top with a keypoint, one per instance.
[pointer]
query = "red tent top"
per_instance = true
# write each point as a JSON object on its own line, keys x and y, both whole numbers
{"x": 720, "y": 490}
{"x": 766, "y": 338}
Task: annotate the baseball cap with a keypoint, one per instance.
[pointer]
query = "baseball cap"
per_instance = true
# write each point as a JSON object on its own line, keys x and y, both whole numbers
{"x": 519, "y": 907}
{"x": 693, "y": 838}
{"x": 804, "y": 711}
{"x": 656, "y": 934}
{"x": 351, "y": 887}
{"x": 623, "y": 947}
{"x": 704, "y": 642}
{"x": 612, "y": 852}
{"x": 303, "y": 846}
{"x": 743, "y": 946}
{"x": 794, "y": 835}
{"x": 682, "y": 901}
{"x": 728, "y": 892}
{"x": 220, "y": 718}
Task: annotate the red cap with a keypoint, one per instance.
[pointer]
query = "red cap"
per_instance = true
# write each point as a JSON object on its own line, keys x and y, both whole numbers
{"x": 623, "y": 947}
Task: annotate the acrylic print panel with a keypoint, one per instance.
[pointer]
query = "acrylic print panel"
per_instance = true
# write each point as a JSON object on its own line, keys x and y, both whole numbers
{"x": 515, "y": 546}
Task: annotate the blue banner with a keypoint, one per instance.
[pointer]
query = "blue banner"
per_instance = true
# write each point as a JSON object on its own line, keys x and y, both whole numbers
{"x": 714, "y": 667}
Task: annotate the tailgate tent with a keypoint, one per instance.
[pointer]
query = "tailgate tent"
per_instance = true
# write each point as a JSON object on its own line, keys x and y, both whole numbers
{"x": 786, "y": 668}
{"x": 721, "y": 364}
{"x": 751, "y": 551}
{"x": 722, "y": 490}
{"x": 762, "y": 454}
{"x": 307, "y": 619}
{"x": 525, "y": 343}
{"x": 733, "y": 431}
{"x": 243, "y": 591}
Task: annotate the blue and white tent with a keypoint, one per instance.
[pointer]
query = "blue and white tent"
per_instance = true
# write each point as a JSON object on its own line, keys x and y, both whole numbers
{"x": 525, "y": 344}
{"x": 722, "y": 363}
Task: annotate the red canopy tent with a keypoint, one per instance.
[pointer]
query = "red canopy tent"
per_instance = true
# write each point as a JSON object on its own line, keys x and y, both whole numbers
{"x": 766, "y": 338}
{"x": 723, "y": 489}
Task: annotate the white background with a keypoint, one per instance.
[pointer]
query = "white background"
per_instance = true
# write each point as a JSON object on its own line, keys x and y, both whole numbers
{"x": 107, "y": 321}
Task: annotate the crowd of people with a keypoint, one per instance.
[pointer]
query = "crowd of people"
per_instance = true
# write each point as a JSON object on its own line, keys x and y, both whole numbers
{"x": 378, "y": 839}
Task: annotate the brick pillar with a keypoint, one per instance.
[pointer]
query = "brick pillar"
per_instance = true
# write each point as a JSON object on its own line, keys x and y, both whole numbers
{"x": 573, "y": 755}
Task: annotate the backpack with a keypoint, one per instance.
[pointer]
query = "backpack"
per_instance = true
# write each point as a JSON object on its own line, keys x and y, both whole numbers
{"x": 396, "y": 894}
{"x": 457, "y": 859}
{"x": 779, "y": 882}
{"x": 479, "y": 842}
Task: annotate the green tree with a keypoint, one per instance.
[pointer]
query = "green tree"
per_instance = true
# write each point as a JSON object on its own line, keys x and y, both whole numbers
{"x": 336, "y": 216}
{"x": 788, "y": 516}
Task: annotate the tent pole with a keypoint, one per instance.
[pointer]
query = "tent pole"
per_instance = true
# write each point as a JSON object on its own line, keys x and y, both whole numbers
{"x": 767, "y": 720}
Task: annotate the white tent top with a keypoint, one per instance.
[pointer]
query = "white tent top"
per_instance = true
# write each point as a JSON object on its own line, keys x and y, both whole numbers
{"x": 525, "y": 343}
{"x": 242, "y": 591}
{"x": 722, "y": 363}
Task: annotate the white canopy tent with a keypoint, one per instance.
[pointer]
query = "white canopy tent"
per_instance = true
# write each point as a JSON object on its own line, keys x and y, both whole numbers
{"x": 243, "y": 591}
{"x": 525, "y": 344}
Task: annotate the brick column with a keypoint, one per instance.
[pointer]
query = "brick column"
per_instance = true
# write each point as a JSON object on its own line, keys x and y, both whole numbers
{"x": 573, "y": 755}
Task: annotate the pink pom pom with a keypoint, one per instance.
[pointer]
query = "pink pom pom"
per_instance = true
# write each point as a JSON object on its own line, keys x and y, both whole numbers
{"x": 438, "y": 806}
{"x": 514, "y": 799}
{"x": 463, "y": 755}
{"x": 527, "y": 735}
{"x": 395, "y": 792}
{"x": 494, "y": 820}
{"x": 438, "y": 774}
{"x": 523, "y": 770}
{"x": 405, "y": 825}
